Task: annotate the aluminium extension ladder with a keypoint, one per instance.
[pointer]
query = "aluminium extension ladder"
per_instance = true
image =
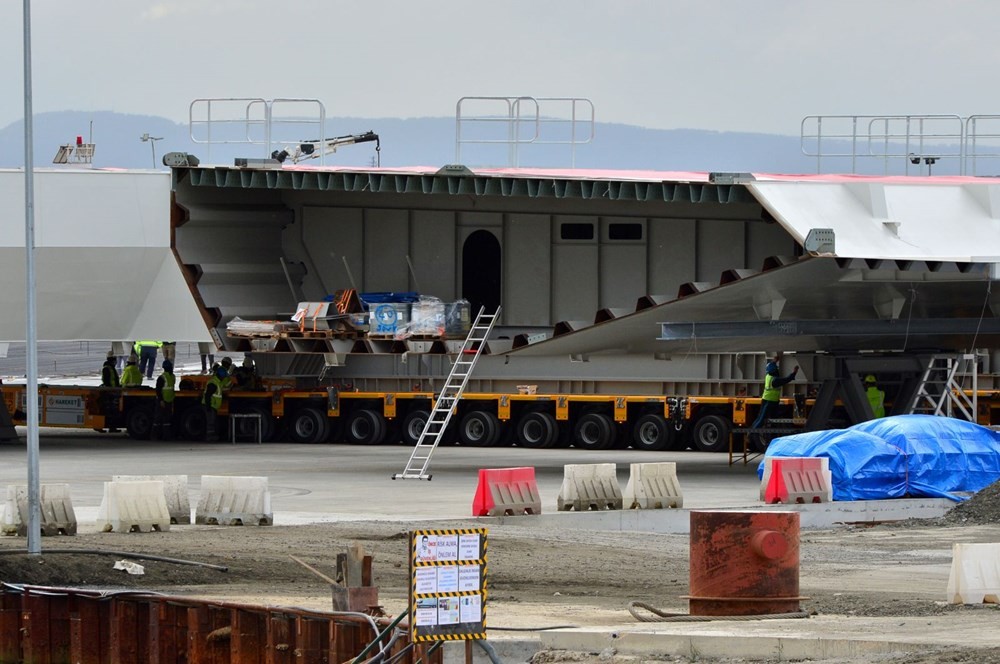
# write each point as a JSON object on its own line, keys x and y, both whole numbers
{"x": 444, "y": 407}
{"x": 949, "y": 387}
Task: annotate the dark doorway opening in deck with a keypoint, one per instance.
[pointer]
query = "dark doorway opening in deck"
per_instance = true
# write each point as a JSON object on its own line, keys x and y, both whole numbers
{"x": 481, "y": 268}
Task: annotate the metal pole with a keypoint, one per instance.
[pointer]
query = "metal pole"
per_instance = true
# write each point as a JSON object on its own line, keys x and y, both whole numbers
{"x": 34, "y": 513}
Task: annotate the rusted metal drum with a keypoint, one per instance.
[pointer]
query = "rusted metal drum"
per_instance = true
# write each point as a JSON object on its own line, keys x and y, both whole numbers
{"x": 744, "y": 563}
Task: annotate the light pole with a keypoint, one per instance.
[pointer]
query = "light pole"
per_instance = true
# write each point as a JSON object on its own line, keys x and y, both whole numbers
{"x": 146, "y": 138}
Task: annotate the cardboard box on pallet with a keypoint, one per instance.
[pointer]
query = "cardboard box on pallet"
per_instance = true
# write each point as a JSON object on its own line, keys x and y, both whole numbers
{"x": 388, "y": 319}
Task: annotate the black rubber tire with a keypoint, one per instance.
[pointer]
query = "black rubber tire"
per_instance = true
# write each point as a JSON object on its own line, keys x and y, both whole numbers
{"x": 594, "y": 431}
{"x": 760, "y": 441}
{"x": 139, "y": 422}
{"x": 537, "y": 431}
{"x": 364, "y": 427}
{"x": 247, "y": 429}
{"x": 652, "y": 433}
{"x": 479, "y": 428}
{"x": 308, "y": 425}
{"x": 413, "y": 426}
{"x": 193, "y": 424}
{"x": 711, "y": 433}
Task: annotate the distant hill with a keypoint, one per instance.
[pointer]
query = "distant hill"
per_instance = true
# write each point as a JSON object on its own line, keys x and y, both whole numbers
{"x": 416, "y": 142}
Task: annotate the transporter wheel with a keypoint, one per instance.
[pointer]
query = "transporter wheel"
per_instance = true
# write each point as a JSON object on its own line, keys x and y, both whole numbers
{"x": 652, "y": 433}
{"x": 537, "y": 431}
{"x": 246, "y": 428}
{"x": 193, "y": 424}
{"x": 760, "y": 441}
{"x": 479, "y": 428}
{"x": 413, "y": 426}
{"x": 711, "y": 434}
{"x": 139, "y": 422}
{"x": 308, "y": 425}
{"x": 594, "y": 431}
{"x": 364, "y": 427}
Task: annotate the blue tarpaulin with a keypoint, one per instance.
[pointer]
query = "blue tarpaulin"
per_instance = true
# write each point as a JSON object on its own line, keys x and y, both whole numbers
{"x": 904, "y": 455}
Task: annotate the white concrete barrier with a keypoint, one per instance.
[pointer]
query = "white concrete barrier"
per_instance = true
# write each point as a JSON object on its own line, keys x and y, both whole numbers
{"x": 129, "y": 507}
{"x": 975, "y": 574}
{"x": 234, "y": 501}
{"x": 57, "y": 514}
{"x": 590, "y": 486}
{"x": 653, "y": 486}
{"x": 175, "y": 491}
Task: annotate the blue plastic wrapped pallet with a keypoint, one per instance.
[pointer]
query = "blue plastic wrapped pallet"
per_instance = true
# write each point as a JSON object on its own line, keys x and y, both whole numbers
{"x": 905, "y": 455}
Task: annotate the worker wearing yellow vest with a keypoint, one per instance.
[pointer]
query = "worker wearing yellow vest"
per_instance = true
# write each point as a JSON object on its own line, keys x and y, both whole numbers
{"x": 109, "y": 398}
{"x": 162, "y": 420}
{"x": 131, "y": 377}
{"x": 146, "y": 350}
{"x": 876, "y": 397}
{"x": 211, "y": 399}
{"x": 772, "y": 391}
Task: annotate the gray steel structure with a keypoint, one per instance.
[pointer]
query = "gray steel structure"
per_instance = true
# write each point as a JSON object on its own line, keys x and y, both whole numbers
{"x": 618, "y": 271}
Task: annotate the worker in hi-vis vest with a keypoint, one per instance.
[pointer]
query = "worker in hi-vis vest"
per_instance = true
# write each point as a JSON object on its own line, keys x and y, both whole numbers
{"x": 163, "y": 419}
{"x": 211, "y": 399}
{"x": 109, "y": 398}
{"x": 131, "y": 377}
{"x": 146, "y": 350}
{"x": 876, "y": 397}
{"x": 772, "y": 391}
{"x": 109, "y": 373}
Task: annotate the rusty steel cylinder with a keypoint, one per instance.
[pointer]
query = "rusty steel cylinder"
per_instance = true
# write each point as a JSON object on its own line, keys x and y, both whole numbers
{"x": 744, "y": 563}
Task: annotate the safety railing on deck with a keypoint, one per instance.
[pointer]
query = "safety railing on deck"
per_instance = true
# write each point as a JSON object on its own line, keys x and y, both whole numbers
{"x": 903, "y": 144}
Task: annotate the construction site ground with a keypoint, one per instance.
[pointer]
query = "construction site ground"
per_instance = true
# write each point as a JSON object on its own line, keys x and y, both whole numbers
{"x": 558, "y": 590}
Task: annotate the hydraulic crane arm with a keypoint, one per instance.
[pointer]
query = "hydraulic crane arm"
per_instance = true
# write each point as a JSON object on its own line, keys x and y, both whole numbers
{"x": 319, "y": 147}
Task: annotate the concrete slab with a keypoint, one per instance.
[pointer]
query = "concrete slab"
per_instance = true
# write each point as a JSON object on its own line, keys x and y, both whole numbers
{"x": 818, "y": 637}
{"x": 812, "y": 515}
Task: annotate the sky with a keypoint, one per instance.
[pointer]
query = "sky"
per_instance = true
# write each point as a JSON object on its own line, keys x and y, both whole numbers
{"x": 724, "y": 65}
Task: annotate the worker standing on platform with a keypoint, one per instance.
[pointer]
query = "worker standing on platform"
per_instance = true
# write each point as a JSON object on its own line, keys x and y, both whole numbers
{"x": 211, "y": 399}
{"x": 876, "y": 397}
{"x": 131, "y": 377}
{"x": 772, "y": 391}
{"x": 109, "y": 372}
{"x": 245, "y": 374}
{"x": 146, "y": 349}
{"x": 205, "y": 350}
{"x": 109, "y": 399}
{"x": 163, "y": 419}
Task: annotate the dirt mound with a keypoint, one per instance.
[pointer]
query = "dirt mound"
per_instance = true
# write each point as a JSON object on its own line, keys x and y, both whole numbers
{"x": 982, "y": 508}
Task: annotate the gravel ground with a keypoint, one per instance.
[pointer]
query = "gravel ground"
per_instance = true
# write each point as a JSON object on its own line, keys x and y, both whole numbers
{"x": 538, "y": 577}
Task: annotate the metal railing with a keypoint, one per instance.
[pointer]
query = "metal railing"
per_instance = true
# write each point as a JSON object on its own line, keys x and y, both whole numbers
{"x": 904, "y": 144}
{"x": 256, "y": 121}
{"x": 513, "y": 122}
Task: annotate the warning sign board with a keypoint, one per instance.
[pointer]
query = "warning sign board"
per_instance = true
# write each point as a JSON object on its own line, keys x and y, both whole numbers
{"x": 448, "y": 584}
